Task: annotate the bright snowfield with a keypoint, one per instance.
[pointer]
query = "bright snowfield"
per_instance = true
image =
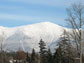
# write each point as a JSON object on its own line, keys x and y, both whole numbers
{"x": 28, "y": 37}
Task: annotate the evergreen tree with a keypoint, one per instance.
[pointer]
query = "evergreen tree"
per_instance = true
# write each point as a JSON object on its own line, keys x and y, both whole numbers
{"x": 42, "y": 47}
{"x": 28, "y": 59}
{"x": 58, "y": 55}
{"x": 49, "y": 56}
{"x": 33, "y": 56}
{"x": 66, "y": 48}
{"x": 42, "y": 52}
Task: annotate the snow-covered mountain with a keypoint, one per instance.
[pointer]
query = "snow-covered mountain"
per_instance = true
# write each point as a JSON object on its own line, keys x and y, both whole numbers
{"x": 28, "y": 37}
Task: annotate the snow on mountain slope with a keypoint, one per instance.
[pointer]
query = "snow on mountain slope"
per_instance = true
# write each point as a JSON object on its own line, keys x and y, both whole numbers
{"x": 28, "y": 37}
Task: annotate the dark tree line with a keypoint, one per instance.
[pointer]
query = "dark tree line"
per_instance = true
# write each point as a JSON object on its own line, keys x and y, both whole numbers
{"x": 64, "y": 53}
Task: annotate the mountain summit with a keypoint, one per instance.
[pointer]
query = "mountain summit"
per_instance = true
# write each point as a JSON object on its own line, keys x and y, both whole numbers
{"x": 28, "y": 37}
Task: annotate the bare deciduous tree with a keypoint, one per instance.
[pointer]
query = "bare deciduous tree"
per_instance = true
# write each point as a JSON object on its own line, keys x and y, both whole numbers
{"x": 76, "y": 21}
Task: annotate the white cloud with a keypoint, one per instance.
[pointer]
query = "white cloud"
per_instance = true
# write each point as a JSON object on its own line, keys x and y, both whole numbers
{"x": 15, "y": 17}
{"x": 18, "y": 17}
{"x": 27, "y": 18}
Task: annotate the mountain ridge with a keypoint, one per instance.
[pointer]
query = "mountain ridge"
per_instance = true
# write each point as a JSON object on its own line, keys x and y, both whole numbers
{"x": 29, "y": 36}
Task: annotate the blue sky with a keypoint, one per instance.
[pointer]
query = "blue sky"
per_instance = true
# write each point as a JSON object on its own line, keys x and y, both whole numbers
{"x": 23, "y": 12}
